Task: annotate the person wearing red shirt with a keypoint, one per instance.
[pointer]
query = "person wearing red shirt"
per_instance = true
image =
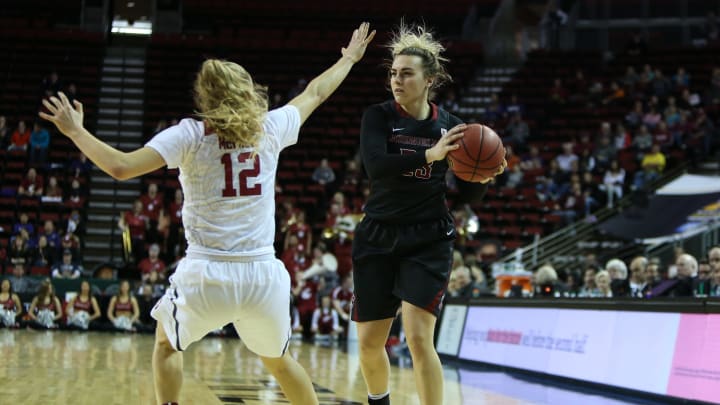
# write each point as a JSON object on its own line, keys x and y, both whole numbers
{"x": 152, "y": 207}
{"x": 171, "y": 225}
{"x": 31, "y": 185}
{"x": 342, "y": 296}
{"x": 305, "y": 293}
{"x": 301, "y": 230}
{"x": 295, "y": 259}
{"x": 137, "y": 224}
{"x": 152, "y": 263}
{"x": 20, "y": 138}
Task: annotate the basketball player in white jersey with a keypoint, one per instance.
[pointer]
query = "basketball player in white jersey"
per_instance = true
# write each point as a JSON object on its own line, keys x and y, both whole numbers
{"x": 227, "y": 168}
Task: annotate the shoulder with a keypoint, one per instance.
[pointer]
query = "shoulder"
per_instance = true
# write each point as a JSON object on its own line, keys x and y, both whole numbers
{"x": 380, "y": 108}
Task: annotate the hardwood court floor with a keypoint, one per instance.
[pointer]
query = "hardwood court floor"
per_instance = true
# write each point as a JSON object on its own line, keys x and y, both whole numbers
{"x": 100, "y": 368}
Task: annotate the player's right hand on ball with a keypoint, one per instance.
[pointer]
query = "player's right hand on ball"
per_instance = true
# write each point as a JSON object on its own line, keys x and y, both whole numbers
{"x": 445, "y": 144}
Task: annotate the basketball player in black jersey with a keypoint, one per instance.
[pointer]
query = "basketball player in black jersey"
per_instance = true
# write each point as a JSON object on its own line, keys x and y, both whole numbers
{"x": 402, "y": 251}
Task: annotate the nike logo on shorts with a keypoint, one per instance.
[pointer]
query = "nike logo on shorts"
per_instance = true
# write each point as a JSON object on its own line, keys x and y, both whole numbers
{"x": 397, "y": 129}
{"x": 448, "y": 233}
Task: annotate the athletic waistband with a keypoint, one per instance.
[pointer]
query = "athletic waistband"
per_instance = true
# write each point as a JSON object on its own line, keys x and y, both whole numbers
{"x": 219, "y": 258}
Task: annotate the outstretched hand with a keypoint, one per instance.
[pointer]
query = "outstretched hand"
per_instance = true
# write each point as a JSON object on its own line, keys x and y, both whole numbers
{"x": 358, "y": 43}
{"x": 66, "y": 117}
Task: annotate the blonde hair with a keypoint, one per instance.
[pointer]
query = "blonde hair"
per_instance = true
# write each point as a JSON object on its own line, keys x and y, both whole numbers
{"x": 230, "y": 102}
{"x": 545, "y": 274}
{"x": 416, "y": 40}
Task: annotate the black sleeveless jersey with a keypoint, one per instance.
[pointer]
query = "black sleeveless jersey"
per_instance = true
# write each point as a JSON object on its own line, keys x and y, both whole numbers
{"x": 403, "y": 187}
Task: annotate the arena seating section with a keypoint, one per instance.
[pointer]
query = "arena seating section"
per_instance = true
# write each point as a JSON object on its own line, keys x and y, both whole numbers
{"x": 31, "y": 50}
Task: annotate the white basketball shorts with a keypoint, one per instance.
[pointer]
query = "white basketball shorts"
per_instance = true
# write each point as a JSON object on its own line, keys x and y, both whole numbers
{"x": 205, "y": 295}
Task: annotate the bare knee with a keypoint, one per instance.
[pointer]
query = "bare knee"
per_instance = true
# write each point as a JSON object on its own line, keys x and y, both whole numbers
{"x": 419, "y": 343}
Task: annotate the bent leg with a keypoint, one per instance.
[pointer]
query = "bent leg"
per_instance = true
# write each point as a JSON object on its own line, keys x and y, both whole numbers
{"x": 419, "y": 329}
{"x": 167, "y": 368}
{"x": 294, "y": 381}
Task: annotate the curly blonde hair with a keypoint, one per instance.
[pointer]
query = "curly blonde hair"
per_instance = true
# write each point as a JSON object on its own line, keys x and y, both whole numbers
{"x": 417, "y": 40}
{"x": 230, "y": 102}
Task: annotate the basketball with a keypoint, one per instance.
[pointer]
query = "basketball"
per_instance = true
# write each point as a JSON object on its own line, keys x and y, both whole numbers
{"x": 479, "y": 156}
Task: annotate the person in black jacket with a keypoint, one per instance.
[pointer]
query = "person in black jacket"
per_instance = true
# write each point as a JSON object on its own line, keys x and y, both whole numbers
{"x": 403, "y": 248}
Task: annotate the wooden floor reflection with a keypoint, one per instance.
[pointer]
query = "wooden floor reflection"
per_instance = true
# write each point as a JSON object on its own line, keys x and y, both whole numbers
{"x": 100, "y": 368}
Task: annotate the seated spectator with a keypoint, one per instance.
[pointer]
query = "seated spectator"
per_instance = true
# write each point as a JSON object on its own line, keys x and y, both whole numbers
{"x": 324, "y": 264}
{"x": 594, "y": 195}
{"x": 605, "y": 152}
{"x": 31, "y": 185}
{"x": 621, "y": 139}
{"x": 689, "y": 100}
{"x": 173, "y": 220}
{"x": 80, "y": 167}
{"x": 323, "y": 174}
{"x": 53, "y": 191}
{"x": 152, "y": 263}
{"x": 647, "y": 76}
{"x": 515, "y": 177}
{"x": 596, "y": 94}
{"x": 11, "y": 307}
{"x": 589, "y": 286}
{"x": 39, "y": 144}
{"x": 652, "y": 118}
{"x": 617, "y": 94}
{"x": 638, "y": 277}
{"x": 494, "y": 111}
{"x": 545, "y": 282}
{"x": 136, "y": 223}
{"x": 24, "y": 224}
{"x": 342, "y": 297}
{"x": 631, "y": 78}
{"x": 300, "y": 229}
{"x": 681, "y": 79}
{"x": 123, "y": 311}
{"x": 325, "y": 324}
{"x": 662, "y": 136}
{"x": 514, "y": 106}
{"x": 71, "y": 92}
{"x": 652, "y": 165}
{"x": 20, "y": 138}
{"x": 613, "y": 182}
{"x": 602, "y": 283}
{"x": 76, "y": 195}
{"x": 294, "y": 256}
{"x": 516, "y": 132}
{"x": 565, "y": 159}
{"x": 83, "y": 309}
{"x": 712, "y": 95}
{"x": 687, "y": 268}
{"x": 72, "y": 243}
{"x": 157, "y": 285}
{"x": 661, "y": 86}
{"x": 353, "y": 175}
{"x": 701, "y": 285}
{"x": 672, "y": 116}
{"x": 450, "y": 103}
{"x": 153, "y": 205}
{"x": 634, "y": 118}
{"x": 465, "y": 286}
{"x": 20, "y": 283}
{"x": 45, "y": 309}
{"x": 571, "y": 206}
{"x": 643, "y": 140}
{"x": 703, "y": 133}
{"x": 20, "y": 248}
{"x": 533, "y": 160}
{"x": 43, "y": 255}
{"x": 66, "y": 268}
{"x": 305, "y": 293}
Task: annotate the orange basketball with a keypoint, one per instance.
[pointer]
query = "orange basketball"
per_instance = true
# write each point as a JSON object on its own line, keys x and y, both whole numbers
{"x": 480, "y": 155}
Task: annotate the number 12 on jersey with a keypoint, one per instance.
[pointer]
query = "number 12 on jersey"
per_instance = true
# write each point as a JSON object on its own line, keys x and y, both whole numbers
{"x": 244, "y": 174}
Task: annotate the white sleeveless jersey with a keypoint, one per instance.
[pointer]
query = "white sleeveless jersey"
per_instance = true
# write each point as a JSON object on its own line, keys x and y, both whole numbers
{"x": 229, "y": 208}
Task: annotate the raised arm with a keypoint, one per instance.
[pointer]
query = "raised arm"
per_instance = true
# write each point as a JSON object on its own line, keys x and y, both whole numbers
{"x": 321, "y": 87}
{"x": 120, "y": 165}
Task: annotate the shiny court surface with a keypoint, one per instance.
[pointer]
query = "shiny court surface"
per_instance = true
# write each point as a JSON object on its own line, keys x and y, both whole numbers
{"x": 101, "y": 368}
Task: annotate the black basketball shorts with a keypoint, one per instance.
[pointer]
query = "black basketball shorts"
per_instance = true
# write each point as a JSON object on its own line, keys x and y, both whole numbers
{"x": 395, "y": 263}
